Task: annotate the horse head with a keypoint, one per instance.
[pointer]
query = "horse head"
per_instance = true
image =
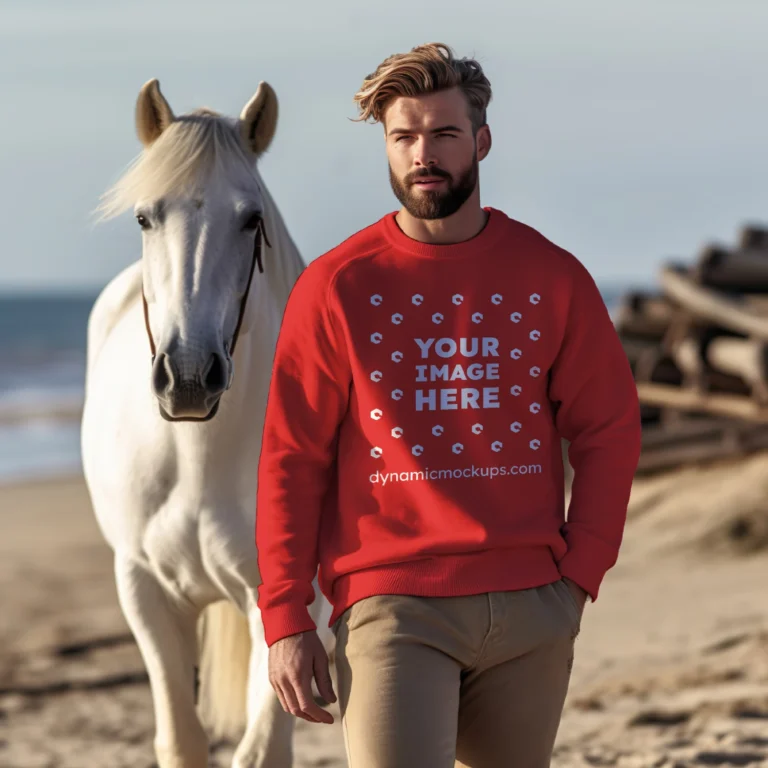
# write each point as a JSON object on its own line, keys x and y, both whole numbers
{"x": 198, "y": 201}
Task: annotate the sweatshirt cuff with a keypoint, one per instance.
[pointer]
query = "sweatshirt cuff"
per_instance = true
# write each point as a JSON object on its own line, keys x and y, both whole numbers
{"x": 284, "y": 620}
{"x": 587, "y": 560}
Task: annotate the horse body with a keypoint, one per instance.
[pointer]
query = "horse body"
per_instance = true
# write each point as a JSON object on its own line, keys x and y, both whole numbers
{"x": 180, "y": 495}
{"x": 176, "y": 499}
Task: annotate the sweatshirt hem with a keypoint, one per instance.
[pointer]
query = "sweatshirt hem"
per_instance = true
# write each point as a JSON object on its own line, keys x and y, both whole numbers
{"x": 448, "y": 576}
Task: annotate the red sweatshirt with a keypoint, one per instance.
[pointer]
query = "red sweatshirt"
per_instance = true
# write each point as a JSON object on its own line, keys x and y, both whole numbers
{"x": 412, "y": 435}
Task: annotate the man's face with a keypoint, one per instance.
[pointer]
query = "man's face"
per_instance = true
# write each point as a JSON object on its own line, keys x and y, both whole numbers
{"x": 433, "y": 153}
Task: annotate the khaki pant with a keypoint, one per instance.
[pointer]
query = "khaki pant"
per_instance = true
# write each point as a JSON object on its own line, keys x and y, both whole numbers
{"x": 476, "y": 681}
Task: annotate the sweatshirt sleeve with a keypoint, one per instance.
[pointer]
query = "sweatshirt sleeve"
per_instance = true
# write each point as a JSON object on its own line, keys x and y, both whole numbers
{"x": 308, "y": 398}
{"x": 597, "y": 411}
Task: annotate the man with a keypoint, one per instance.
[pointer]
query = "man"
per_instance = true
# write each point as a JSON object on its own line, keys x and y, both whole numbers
{"x": 426, "y": 371}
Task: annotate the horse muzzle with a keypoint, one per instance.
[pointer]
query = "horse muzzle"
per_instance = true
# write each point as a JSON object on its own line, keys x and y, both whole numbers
{"x": 186, "y": 394}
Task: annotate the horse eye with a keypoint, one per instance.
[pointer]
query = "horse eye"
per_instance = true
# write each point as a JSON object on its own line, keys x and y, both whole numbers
{"x": 143, "y": 221}
{"x": 252, "y": 222}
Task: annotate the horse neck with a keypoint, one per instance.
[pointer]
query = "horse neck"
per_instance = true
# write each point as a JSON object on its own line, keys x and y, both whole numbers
{"x": 282, "y": 266}
{"x": 283, "y": 263}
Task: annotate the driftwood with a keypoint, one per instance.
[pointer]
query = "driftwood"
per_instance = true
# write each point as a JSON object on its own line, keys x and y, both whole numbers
{"x": 735, "y": 272}
{"x": 643, "y": 316}
{"x": 753, "y": 237}
{"x": 757, "y": 303}
{"x": 687, "y": 356}
{"x": 714, "y": 444}
{"x": 656, "y": 366}
{"x": 650, "y": 415}
{"x": 649, "y": 362}
{"x": 708, "y": 304}
{"x": 693, "y": 401}
{"x": 687, "y": 430}
{"x": 698, "y": 357}
{"x": 637, "y": 348}
{"x": 698, "y": 350}
{"x": 746, "y": 359}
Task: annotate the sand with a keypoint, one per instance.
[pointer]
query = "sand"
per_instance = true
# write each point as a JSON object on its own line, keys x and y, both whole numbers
{"x": 671, "y": 664}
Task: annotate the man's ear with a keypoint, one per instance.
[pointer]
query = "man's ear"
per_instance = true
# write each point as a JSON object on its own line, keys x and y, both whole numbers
{"x": 483, "y": 141}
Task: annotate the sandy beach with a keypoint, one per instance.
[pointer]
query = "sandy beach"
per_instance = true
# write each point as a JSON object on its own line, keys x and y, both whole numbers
{"x": 671, "y": 664}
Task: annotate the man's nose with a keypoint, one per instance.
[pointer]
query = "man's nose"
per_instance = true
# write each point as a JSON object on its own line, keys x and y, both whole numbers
{"x": 425, "y": 153}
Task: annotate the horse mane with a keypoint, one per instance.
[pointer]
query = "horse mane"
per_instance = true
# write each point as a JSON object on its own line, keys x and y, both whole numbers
{"x": 178, "y": 162}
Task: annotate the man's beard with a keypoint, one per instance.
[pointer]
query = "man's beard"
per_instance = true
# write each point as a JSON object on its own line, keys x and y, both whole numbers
{"x": 434, "y": 204}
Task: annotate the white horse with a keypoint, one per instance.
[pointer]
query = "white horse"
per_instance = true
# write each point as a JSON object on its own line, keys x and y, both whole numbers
{"x": 180, "y": 350}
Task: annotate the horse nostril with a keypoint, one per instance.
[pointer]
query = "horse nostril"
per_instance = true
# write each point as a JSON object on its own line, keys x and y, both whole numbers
{"x": 162, "y": 376}
{"x": 215, "y": 377}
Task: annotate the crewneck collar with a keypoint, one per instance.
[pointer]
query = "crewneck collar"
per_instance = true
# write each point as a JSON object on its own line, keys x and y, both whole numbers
{"x": 485, "y": 239}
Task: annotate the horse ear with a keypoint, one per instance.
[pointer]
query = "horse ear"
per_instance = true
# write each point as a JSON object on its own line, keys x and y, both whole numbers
{"x": 258, "y": 120}
{"x": 153, "y": 113}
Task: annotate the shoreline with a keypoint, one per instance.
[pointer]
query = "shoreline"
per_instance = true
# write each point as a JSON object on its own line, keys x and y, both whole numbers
{"x": 46, "y": 477}
{"x": 32, "y": 413}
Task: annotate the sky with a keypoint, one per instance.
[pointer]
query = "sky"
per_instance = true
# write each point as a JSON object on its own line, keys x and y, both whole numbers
{"x": 629, "y": 133}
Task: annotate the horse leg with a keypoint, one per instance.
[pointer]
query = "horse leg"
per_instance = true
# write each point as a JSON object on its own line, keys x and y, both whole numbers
{"x": 268, "y": 740}
{"x": 166, "y": 638}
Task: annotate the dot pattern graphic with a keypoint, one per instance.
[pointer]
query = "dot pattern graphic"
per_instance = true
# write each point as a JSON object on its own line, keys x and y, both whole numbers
{"x": 527, "y": 428}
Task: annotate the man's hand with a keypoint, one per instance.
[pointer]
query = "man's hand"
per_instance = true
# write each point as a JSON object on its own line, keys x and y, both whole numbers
{"x": 579, "y": 595}
{"x": 292, "y": 663}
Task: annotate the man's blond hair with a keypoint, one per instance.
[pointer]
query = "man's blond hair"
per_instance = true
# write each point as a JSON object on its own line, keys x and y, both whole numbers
{"x": 425, "y": 69}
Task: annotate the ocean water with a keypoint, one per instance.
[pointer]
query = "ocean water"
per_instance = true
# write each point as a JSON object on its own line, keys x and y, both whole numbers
{"x": 42, "y": 377}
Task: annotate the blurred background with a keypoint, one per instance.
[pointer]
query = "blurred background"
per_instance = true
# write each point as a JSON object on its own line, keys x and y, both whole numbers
{"x": 632, "y": 134}
{"x": 626, "y": 132}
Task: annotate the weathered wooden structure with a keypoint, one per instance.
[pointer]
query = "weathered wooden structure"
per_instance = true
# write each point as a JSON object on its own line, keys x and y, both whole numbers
{"x": 698, "y": 348}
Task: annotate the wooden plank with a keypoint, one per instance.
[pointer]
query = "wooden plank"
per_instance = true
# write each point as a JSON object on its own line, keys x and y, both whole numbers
{"x": 744, "y": 271}
{"x": 745, "y": 358}
{"x": 650, "y": 415}
{"x": 687, "y": 430}
{"x": 644, "y": 315}
{"x": 757, "y": 304}
{"x": 687, "y": 356}
{"x": 677, "y": 456}
{"x": 728, "y": 444}
{"x": 754, "y": 237}
{"x": 735, "y": 406}
{"x": 637, "y": 348}
{"x": 718, "y": 308}
{"x": 659, "y": 368}
{"x": 702, "y": 371}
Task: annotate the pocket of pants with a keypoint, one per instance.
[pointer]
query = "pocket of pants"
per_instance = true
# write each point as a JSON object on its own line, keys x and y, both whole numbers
{"x": 352, "y": 615}
{"x": 344, "y": 618}
{"x": 572, "y": 605}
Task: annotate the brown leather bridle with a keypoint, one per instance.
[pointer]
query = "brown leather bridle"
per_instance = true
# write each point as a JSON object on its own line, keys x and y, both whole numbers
{"x": 261, "y": 234}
